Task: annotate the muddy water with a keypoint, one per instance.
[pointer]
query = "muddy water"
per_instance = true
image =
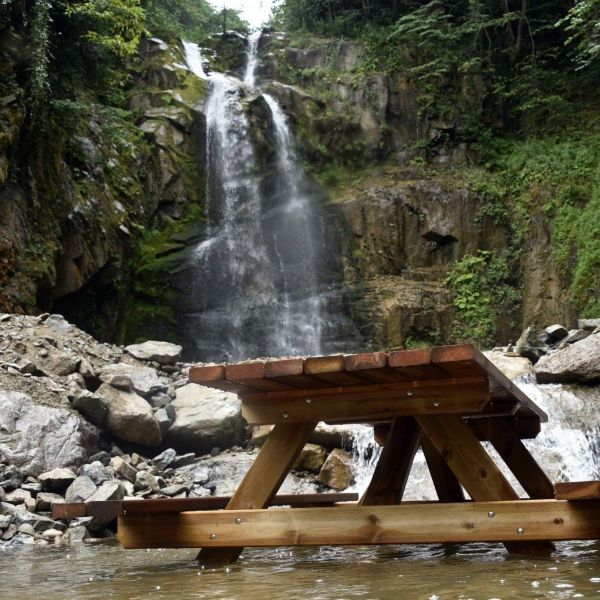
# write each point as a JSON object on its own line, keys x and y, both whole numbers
{"x": 480, "y": 572}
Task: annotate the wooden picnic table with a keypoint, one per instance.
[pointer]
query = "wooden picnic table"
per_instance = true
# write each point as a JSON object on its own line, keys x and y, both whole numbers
{"x": 445, "y": 400}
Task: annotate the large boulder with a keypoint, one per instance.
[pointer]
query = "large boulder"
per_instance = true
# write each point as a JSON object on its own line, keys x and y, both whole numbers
{"x": 39, "y": 438}
{"x": 339, "y": 470}
{"x": 145, "y": 380}
{"x": 577, "y": 363}
{"x": 162, "y": 352}
{"x": 205, "y": 418}
{"x": 129, "y": 416}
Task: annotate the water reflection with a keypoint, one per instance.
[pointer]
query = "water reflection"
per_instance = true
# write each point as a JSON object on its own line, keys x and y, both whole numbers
{"x": 478, "y": 571}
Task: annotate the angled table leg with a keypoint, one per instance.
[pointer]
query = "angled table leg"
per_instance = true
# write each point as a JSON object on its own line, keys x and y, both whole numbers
{"x": 473, "y": 467}
{"x": 264, "y": 478}
{"x": 447, "y": 487}
{"x": 505, "y": 439}
{"x": 393, "y": 467}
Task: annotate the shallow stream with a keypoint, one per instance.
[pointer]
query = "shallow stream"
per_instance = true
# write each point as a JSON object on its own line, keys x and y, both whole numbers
{"x": 479, "y": 571}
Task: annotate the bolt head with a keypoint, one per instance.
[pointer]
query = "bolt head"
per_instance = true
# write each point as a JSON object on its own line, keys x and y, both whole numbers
{"x": 520, "y": 530}
{"x": 308, "y": 401}
{"x": 491, "y": 514}
{"x": 285, "y": 415}
{"x": 436, "y": 404}
{"x": 213, "y": 536}
{"x": 238, "y": 520}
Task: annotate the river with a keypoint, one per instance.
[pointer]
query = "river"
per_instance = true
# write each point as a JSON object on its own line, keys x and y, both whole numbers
{"x": 478, "y": 572}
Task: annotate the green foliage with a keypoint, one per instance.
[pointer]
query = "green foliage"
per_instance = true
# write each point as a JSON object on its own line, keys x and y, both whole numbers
{"x": 582, "y": 23}
{"x": 483, "y": 292}
{"x": 39, "y": 57}
{"x": 188, "y": 19}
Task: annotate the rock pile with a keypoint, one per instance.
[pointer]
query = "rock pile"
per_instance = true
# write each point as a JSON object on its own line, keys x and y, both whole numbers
{"x": 84, "y": 421}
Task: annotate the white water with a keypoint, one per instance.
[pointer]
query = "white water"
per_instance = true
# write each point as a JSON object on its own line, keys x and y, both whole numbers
{"x": 566, "y": 448}
{"x": 255, "y": 284}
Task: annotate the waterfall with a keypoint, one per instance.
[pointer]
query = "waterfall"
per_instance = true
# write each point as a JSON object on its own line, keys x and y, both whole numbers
{"x": 256, "y": 285}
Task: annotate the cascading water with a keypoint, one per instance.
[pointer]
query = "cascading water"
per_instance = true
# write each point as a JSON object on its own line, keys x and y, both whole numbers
{"x": 256, "y": 282}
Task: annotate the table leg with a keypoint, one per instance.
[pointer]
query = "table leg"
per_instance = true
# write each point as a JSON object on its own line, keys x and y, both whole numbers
{"x": 263, "y": 480}
{"x": 473, "y": 467}
{"x": 393, "y": 467}
{"x": 506, "y": 441}
{"x": 446, "y": 485}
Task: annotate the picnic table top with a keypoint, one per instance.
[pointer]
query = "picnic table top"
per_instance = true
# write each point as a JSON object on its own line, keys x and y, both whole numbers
{"x": 426, "y": 371}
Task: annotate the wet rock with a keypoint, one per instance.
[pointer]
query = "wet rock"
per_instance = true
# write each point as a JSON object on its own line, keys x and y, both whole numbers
{"x": 588, "y": 324}
{"x": 33, "y": 487}
{"x": 145, "y": 381}
{"x": 174, "y": 490}
{"x": 337, "y": 436}
{"x": 40, "y": 523}
{"x": 81, "y": 489}
{"x": 576, "y": 363}
{"x": 11, "y": 478}
{"x": 556, "y": 332}
{"x": 123, "y": 469}
{"x": 576, "y": 335}
{"x": 161, "y": 352}
{"x": 311, "y": 458}
{"x": 97, "y": 472}
{"x": 513, "y": 367}
{"x": 145, "y": 480}
{"x": 205, "y": 418}
{"x": 129, "y": 417}
{"x": 20, "y": 496}
{"x": 77, "y": 535}
{"x": 52, "y": 535}
{"x": 164, "y": 419}
{"x": 5, "y": 521}
{"x": 164, "y": 459}
{"x": 102, "y": 457}
{"x": 45, "y": 500}
{"x": 38, "y": 438}
{"x": 57, "y": 480}
{"x": 109, "y": 490}
{"x": 183, "y": 460}
{"x": 339, "y": 470}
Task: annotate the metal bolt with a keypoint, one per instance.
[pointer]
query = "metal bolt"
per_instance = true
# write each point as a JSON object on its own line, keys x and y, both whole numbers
{"x": 409, "y": 393}
{"x": 124, "y": 512}
{"x": 436, "y": 404}
{"x": 285, "y": 415}
{"x": 213, "y": 536}
{"x": 491, "y": 514}
{"x": 520, "y": 530}
{"x": 308, "y": 401}
{"x": 238, "y": 520}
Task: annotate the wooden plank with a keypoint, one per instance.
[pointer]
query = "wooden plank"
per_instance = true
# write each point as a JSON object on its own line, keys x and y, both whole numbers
{"x": 416, "y": 364}
{"x": 505, "y": 439}
{"x": 373, "y": 366}
{"x": 252, "y": 374}
{"x": 290, "y": 371}
{"x": 214, "y": 376}
{"x": 331, "y": 370}
{"x": 274, "y": 461}
{"x": 452, "y": 358}
{"x": 577, "y": 490}
{"x": 523, "y": 520}
{"x": 158, "y": 505}
{"x": 447, "y": 487}
{"x": 370, "y": 405}
{"x": 527, "y": 428}
{"x": 393, "y": 467}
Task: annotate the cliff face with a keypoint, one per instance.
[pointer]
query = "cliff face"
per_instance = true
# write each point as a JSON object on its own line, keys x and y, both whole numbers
{"x": 79, "y": 191}
{"x": 96, "y": 218}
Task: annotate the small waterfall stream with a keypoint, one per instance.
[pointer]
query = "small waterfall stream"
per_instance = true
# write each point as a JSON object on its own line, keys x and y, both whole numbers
{"x": 258, "y": 278}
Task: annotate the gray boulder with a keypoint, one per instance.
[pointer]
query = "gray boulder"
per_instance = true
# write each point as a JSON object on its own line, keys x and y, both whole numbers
{"x": 38, "y": 438}
{"x": 205, "y": 418}
{"x": 129, "y": 417}
{"x": 57, "y": 480}
{"x": 91, "y": 406}
{"x": 145, "y": 380}
{"x": 97, "y": 472}
{"x": 80, "y": 490}
{"x": 576, "y": 363}
{"x": 589, "y": 324}
{"x": 162, "y": 352}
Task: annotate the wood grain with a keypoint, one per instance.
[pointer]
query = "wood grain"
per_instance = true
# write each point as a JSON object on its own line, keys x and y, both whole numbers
{"x": 577, "y": 490}
{"x": 393, "y": 467}
{"x": 523, "y": 520}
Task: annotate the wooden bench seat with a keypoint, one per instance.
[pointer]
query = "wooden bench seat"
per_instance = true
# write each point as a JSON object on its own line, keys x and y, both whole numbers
{"x": 114, "y": 508}
{"x": 577, "y": 490}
